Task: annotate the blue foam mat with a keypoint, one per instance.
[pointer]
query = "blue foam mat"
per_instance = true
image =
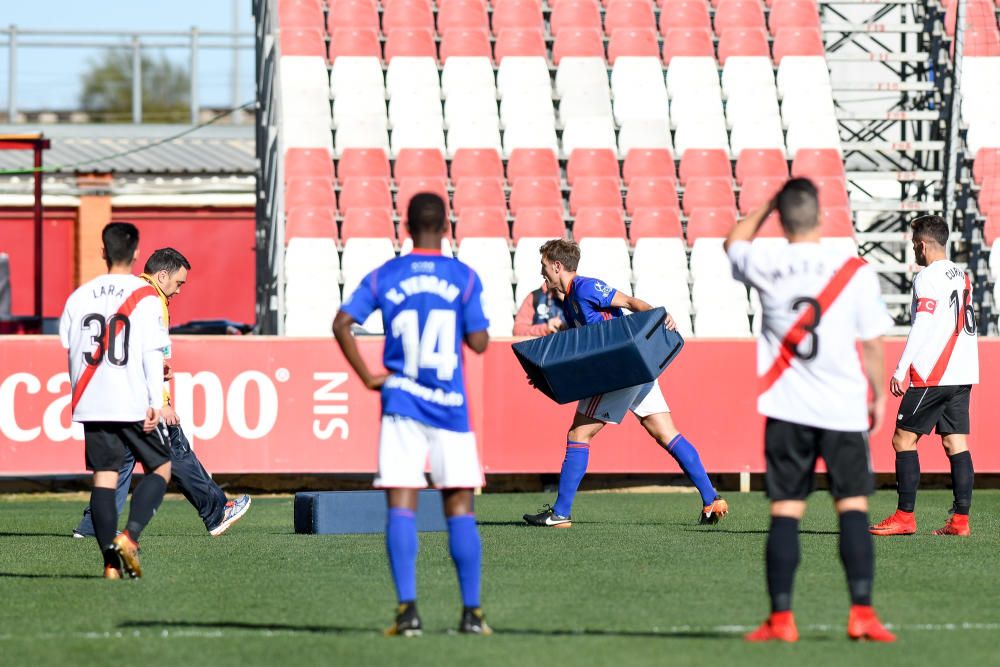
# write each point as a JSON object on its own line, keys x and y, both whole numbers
{"x": 343, "y": 512}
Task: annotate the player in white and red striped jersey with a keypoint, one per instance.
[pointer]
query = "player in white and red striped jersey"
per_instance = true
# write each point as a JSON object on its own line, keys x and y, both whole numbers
{"x": 114, "y": 330}
{"x": 941, "y": 360}
{"x": 814, "y": 392}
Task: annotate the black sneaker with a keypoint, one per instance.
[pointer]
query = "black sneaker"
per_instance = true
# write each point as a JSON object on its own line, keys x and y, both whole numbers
{"x": 711, "y": 514}
{"x": 474, "y": 622}
{"x": 548, "y": 518}
{"x": 407, "y": 623}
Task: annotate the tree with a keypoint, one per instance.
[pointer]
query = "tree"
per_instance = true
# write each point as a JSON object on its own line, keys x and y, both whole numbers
{"x": 107, "y": 89}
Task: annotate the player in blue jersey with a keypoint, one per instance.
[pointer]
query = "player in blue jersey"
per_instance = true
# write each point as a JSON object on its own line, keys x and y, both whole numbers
{"x": 588, "y": 301}
{"x": 429, "y": 305}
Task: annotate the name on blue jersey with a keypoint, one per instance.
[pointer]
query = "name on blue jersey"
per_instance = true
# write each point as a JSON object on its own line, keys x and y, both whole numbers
{"x": 423, "y": 284}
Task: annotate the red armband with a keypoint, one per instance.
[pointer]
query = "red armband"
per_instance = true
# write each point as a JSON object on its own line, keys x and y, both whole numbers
{"x": 926, "y": 306}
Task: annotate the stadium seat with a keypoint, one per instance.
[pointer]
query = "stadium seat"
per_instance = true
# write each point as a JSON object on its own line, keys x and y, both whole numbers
{"x": 578, "y": 43}
{"x": 527, "y": 105}
{"x": 747, "y": 72}
{"x": 519, "y": 73}
{"x": 761, "y": 162}
{"x": 408, "y": 187}
{"x": 745, "y": 104}
{"x": 419, "y": 163}
{"x": 354, "y": 42}
{"x": 756, "y": 132}
{"x": 595, "y": 192}
{"x": 516, "y": 15}
{"x": 422, "y": 135}
{"x": 655, "y": 223}
{"x": 479, "y": 193}
{"x": 411, "y": 43}
{"x": 707, "y": 192}
{"x": 807, "y": 134}
{"x": 308, "y": 163}
{"x": 832, "y": 192}
{"x": 528, "y": 134}
{"x": 797, "y": 42}
{"x": 836, "y": 222}
{"x": 633, "y": 42}
{"x": 738, "y": 14}
{"x": 518, "y": 42}
{"x": 977, "y": 13}
{"x": 704, "y": 163}
{"x": 632, "y": 73}
{"x": 758, "y": 190}
{"x": 587, "y": 74}
{"x": 461, "y": 15}
{"x": 991, "y": 237}
{"x": 310, "y": 222}
{"x": 406, "y": 243}
{"x": 644, "y": 192}
{"x": 465, "y": 43}
{"x": 648, "y": 163}
{"x": 589, "y": 132}
{"x": 474, "y": 133}
{"x": 300, "y": 14}
{"x": 628, "y": 15}
{"x": 413, "y": 75}
{"x": 748, "y": 42}
{"x": 984, "y": 134}
{"x": 818, "y": 163}
{"x": 482, "y": 222}
{"x": 687, "y": 42}
{"x": 698, "y": 105}
{"x": 361, "y": 255}
{"x": 361, "y": 134}
{"x": 539, "y": 222}
{"x": 593, "y": 221}
{"x": 367, "y": 223}
{"x": 586, "y": 105}
{"x": 802, "y": 73}
{"x": 710, "y": 223}
{"x": 471, "y": 107}
{"x": 490, "y": 257}
{"x": 721, "y": 323}
{"x": 467, "y": 73}
{"x": 643, "y": 101}
{"x": 574, "y": 14}
{"x": 986, "y": 165}
{"x": 476, "y": 163}
{"x": 685, "y": 14}
{"x": 591, "y": 163}
{"x": 304, "y": 42}
{"x": 313, "y": 192}
{"x": 532, "y": 163}
{"x": 707, "y": 133}
{"x": 708, "y": 259}
{"x": 688, "y": 74}
{"x": 350, "y": 74}
{"x": 808, "y": 104}
{"x": 606, "y": 259}
{"x": 644, "y": 133}
{"x": 721, "y": 291}
{"x": 662, "y": 258}
{"x": 352, "y": 14}
{"x": 360, "y": 107}
{"x": 407, "y": 15}
{"x": 535, "y": 192}
{"x": 365, "y": 193}
{"x": 981, "y": 42}
{"x": 793, "y": 14}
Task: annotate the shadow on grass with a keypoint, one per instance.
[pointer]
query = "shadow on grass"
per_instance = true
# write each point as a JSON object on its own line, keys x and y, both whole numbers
{"x": 44, "y": 575}
{"x": 754, "y": 531}
{"x": 25, "y": 533}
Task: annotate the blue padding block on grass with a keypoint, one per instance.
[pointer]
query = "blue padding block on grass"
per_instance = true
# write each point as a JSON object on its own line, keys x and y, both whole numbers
{"x": 600, "y": 358}
{"x": 338, "y": 512}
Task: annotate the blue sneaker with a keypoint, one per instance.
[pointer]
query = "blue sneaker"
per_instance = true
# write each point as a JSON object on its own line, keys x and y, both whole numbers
{"x": 235, "y": 509}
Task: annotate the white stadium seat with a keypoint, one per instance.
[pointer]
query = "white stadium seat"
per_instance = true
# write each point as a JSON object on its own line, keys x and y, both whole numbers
{"x": 409, "y": 73}
{"x": 362, "y": 133}
{"x": 519, "y": 72}
{"x": 589, "y": 132}
{"x": 802, "y": 72}
{"x": 644, "y": 133}
{"x": 461, "y": 73}
{"x": 689, "y": 73}
{"x": 659, "y": 259}
{"x": 356, "y": 73}
{"x": 575, "y": 73}
{"x": 746, "y": 73}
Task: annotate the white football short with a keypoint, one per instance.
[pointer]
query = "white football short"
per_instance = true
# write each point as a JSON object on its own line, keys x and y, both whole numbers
{"x": 643, "y": 400}
{"x": 406, "y": 446}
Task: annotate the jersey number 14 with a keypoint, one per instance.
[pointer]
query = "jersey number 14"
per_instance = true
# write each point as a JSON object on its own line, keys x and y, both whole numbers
{"x": 433, "y": 348}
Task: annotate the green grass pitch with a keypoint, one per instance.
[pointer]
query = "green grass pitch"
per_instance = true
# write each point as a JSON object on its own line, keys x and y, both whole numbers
{"x": 634, "y": 582}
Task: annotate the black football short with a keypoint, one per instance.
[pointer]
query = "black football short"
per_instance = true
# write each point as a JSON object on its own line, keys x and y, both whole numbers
{"x": 791, "y": 451}
{"x": 106, "y": 443}
{"x": 945, "y": 409}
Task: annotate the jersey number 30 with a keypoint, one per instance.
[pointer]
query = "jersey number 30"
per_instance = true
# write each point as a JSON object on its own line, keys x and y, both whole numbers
{"x": 109, "y": 334}
{"x": 433, "y": 348}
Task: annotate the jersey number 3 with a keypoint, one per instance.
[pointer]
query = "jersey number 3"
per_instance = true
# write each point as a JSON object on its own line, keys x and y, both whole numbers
{"x": 809, "y": 327}
{"x": 433, "y": 348}
{"x": 106, "y": 340}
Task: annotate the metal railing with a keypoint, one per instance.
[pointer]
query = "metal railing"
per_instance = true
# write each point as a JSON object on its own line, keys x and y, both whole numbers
{"x": 194, "y": 40}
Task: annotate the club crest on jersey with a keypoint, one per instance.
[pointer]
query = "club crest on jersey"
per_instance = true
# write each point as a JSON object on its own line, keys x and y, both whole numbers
{"x": 603, "y": 289}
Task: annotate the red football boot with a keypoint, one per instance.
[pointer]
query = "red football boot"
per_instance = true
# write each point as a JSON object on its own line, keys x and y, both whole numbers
{"x": 900, "y": 523}
{"x": 779, "y": 626}
{"x": 957, "y": 524}
{"x": 863, "y": 624}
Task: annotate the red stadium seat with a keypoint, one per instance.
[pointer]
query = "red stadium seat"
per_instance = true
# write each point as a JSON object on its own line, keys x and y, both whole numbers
{"x": 985, "y": 167}
{"x": 991, "y": 229}
{"x": 479, "y": 193}
{"x": 836, "y": 222}
{"x": 645, "y": 192}
{"x": 420, "y": 163}
{"x": 591, "y": 163}
{"x": 405, "y": 42}
{"x": 743, "y": 42}
{"x": 407, "y": 15}
{"x": 465, "y": 42}
{"x": 532, "y": 192}
{"x": 352, "y": 14}
{"x": 690, "y": 14}
{"x": 476, "y": 163}
{"x": 981, "y": 42}
{"x": 519, "y": 42}
{"x": 314, "y": 192}
{"x": 655, "y": 223}
{"x": 640, "y": 42}
{"x": 738, "y": 14}
{"x": 708, "y": 193}
{"x": 354, "y": 42}
{"x": 817, "y": 163}
{"x": 578, "y": 42}
{"x": 310, "y": 222}
{"x": 302, "y": 42}
{"x": 650, "y": 163}
{"x": 832, "y": 192}
{"x": 704, "y": 163}
{"x": 687, "y": 42}
{"x": 595, "y": 192}
{"x": 408, "y": 187}
{"x": 516, "y": 14}
{"x": 365, "y": 193}
{"x": 372, "y": 223}
{"x": 543, "y": 222}
{"x": 462, "y": 14}
{"x": 763, "y": 162}
{"x": 771, "y": 227}
{"x": 482, "y": 222}
{"x": 988, "y": 199}
{"x": 977, "y": 14}
{"x": 307, "y": 14}
{"x": 574, "y": 14}
{"x": 793, "y": 14}
{"x": 710, "y": 223}
{"x": 758, "y": 190}
{"x": 363, "y": 163}
{"x": 594, "y": 221}
{"x": 308, "y": 163}
{"x": 629, "y": 15}
{"x": 532, "y": 163}
{"x": 798, "y": 42}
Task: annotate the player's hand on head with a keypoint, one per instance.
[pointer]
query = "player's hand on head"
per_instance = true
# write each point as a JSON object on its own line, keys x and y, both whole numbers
{"x": 170, "y": 416}
{"x": 375, "y": 382}
{"x": 151, "y": 420}
{"x": 896, "y": 388}
{"x": 670, "y": 324}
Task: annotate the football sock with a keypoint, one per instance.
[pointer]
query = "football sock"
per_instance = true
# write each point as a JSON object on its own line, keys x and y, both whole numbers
{"x": 466, "y": 552}
{"x": 907, "y": 479}
{"x": 574, "y": 467}
{"x": 105, "y": 518}
{"x": 782, "y": 557}
{"x": 401, "y": 545}
{"x": 687, "y": 458}
{"x": 858, "y": 555}
{"x": 145, "y": 500}
{"x": 961, "y": 481}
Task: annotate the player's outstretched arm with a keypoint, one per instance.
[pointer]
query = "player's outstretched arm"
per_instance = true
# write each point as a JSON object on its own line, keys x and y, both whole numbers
{"x": 872, "y": 358}
{"x": 621, "y": 300}
{"x": 342, "y": 332}
{"x": 746, "y": 229}
{"x": 477, "y": 341}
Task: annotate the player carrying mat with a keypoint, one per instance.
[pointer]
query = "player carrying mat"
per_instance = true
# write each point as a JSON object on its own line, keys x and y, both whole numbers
{"x": 588, "y": 301}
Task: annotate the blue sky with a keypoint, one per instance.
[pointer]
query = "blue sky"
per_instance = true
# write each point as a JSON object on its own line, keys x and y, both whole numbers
{"x": 48, "y": 78}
